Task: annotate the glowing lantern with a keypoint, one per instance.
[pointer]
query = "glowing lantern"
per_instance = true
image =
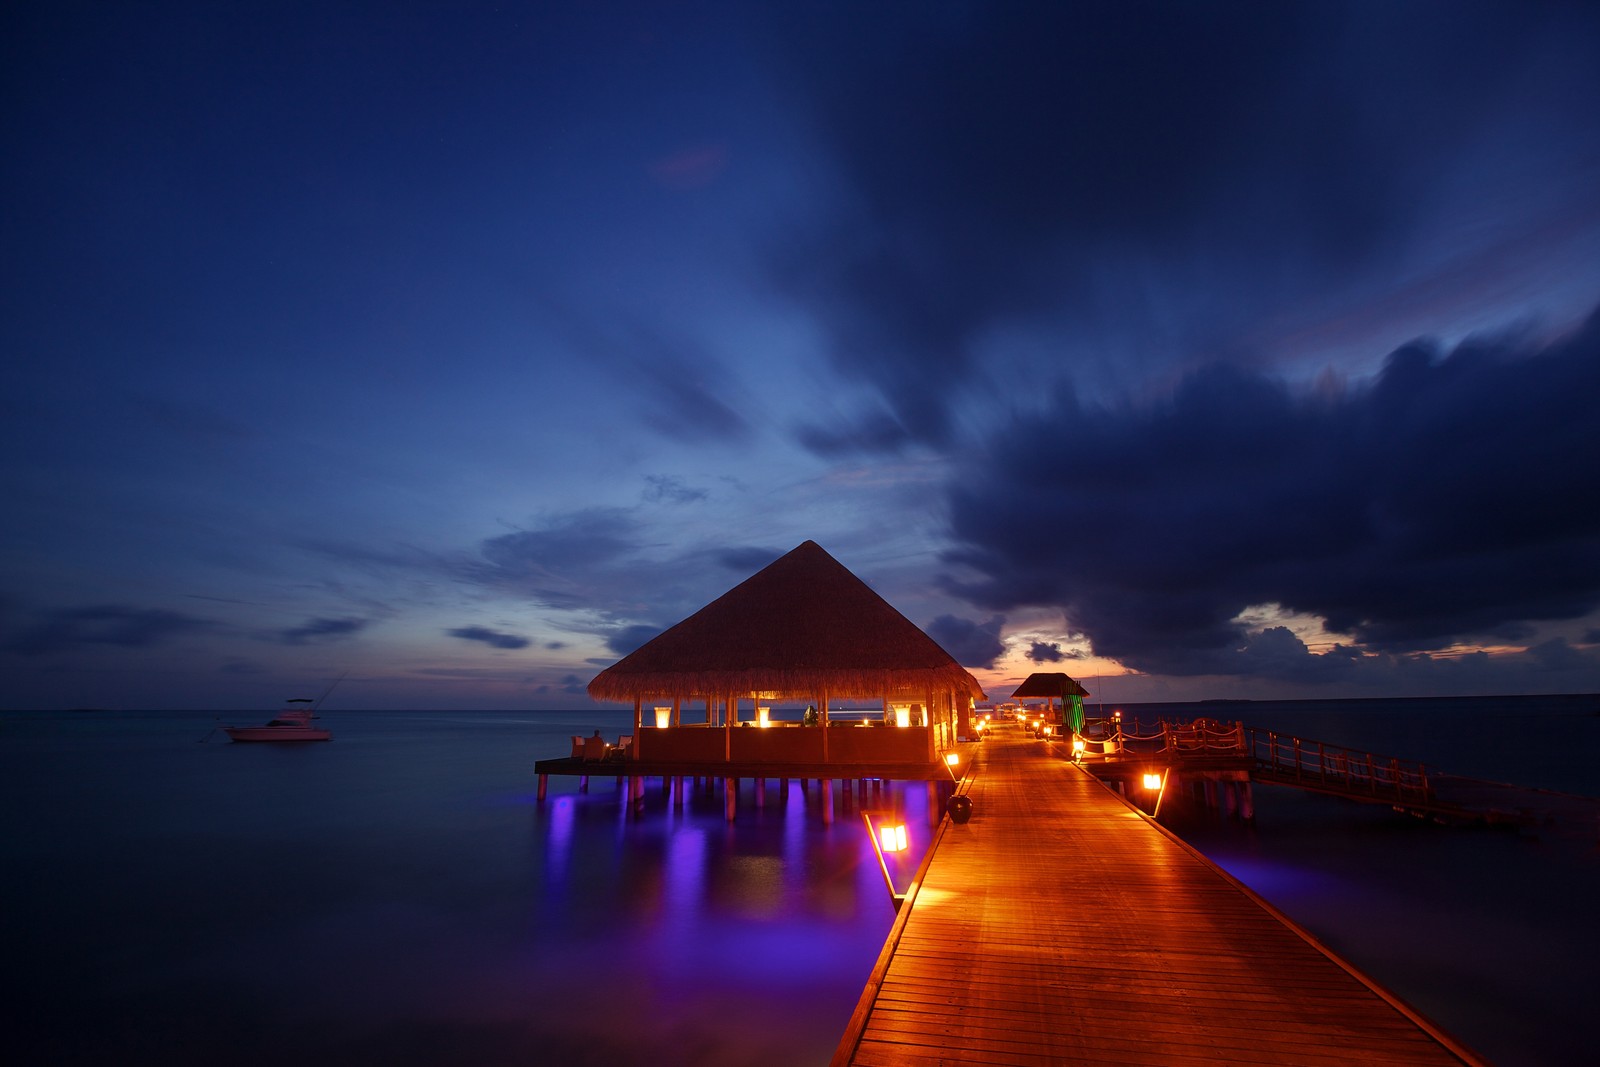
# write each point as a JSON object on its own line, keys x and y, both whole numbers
{"x": 951, "y": 759}
{"x": 663, "y": 718}
{"x": 765, "y": 716}
{"x": 1152, "y": 781}
{"x": 892, "y": 838}
{"x": 902, "y": 716}
{"x": 1077, "y": 747}
{"x": 1048, "y": 730}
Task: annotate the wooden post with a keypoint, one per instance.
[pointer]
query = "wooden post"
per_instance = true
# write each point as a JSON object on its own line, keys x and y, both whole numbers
{"x": 935, "y": 812}
{"x": 638, "y": 724}
{"x": 730, "y": 797}
{"x": 827, "y": 800}
{"x": 544, "y": 785}
{"x": 761, "y": 793}
{"x": 1247, "y": 806}
{"x": 583, "y": 783}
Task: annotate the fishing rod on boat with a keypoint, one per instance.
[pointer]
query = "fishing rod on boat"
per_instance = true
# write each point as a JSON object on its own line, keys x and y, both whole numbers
{"x": 318, "y": 702}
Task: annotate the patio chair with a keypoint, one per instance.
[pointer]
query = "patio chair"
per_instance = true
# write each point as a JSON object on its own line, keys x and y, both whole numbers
{"x": 624, "y": 747}
{"x": 594, "y": 749}
{"x": 577, "y": 746}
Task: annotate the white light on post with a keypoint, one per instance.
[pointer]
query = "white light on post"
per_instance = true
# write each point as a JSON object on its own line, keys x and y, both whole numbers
{"x": 892, "y": 838}
{"x": 951, "y": 759}
{"x": 663, "y": 718}
{"x": 1152, "y": 781}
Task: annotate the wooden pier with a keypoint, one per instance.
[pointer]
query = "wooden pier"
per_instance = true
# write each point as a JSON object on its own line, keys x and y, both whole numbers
{"x": 1062, "y": 925}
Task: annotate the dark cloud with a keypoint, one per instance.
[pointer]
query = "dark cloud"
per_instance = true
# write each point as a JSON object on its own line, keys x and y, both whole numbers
{"x": 1008, "y": 163}
{"x": 1042, "y": 652}
{"x": 973, "y": 644}
{"x": 113, "y": 625}
{"x": 663, "y": 488}
{"x": 628, "y": 638}
{"x": 682, "y": 390}
{"x": 320, "y": 629}
{"x": 492, "y": 638}
{"x": 1452, "y": 497}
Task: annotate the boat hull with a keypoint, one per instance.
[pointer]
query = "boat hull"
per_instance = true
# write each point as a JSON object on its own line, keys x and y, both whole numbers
{"x": 277, "y": 733}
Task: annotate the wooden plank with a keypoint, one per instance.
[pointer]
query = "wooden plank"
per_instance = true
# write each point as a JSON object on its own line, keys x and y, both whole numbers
{"x": 1061, "y": 925}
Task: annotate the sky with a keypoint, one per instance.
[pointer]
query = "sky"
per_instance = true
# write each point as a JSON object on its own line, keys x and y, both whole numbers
{"x": 1199, "y": 350}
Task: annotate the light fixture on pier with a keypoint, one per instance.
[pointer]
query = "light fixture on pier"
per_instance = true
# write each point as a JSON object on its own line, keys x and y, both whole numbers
{"x": 952, "y": 759}
{"x": 902, "y": 716}
{"x": 1049, "y": 731}
{"x": 1077, "y": 748}
{"x": 1152, "y": 781}
{"x": 764, "y": 714}
{"x": 663, "y": 718}
{"x": 892, "y": 838}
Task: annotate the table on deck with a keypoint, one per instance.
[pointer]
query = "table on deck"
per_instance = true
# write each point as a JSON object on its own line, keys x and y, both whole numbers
{"x": 1060, "y": 925}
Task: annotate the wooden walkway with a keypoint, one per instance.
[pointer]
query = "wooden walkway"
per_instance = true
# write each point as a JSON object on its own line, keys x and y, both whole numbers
{"x": 1061, "y": 926}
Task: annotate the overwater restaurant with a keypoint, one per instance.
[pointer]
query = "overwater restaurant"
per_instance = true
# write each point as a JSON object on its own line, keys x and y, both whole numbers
{"x": 804, "y": 630}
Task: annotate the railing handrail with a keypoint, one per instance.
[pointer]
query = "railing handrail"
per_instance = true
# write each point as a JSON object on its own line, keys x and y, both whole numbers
{"x": 1353, "y": 770}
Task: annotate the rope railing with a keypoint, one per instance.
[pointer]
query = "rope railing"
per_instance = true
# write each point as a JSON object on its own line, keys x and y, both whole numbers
{"x": 1281, "y": 756}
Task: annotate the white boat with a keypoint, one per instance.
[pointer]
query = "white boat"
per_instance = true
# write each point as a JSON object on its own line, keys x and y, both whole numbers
{"x": 291, "y": 724}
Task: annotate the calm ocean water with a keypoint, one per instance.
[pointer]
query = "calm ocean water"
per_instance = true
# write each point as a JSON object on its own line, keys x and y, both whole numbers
{"x": 398, "y": 896}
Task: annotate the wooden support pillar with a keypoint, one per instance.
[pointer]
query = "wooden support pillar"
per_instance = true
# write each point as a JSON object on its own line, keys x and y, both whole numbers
{"x": 1247, "y": 804}
{"x": 1230, "y": 799}
{"x": 861, "y": 791}
{"x": 1210, "y": 787}
{"x": 583, "y": 783}
{"x": 827, "y": 801}
{"x": 935, "y": 810}
{"x": 730, "y": 797}
{"x": 761, "y": 793}
{"x": 676, "y": 790}
{"x": 544, "y": 785}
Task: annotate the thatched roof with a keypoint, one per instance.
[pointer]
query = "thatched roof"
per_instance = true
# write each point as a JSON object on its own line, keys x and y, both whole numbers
{"x": 803, "y": 625}
{"x": 1049, "y": 684}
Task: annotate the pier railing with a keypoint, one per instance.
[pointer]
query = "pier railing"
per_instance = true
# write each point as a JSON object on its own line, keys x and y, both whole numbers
{"x": 1275, "y": 757}
{"x": 1292, "y": 760}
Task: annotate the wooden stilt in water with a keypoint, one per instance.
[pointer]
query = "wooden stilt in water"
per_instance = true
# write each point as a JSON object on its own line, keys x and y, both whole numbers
{"x": 730, "y": 797}
{"x": 544, "y": 785}
{"x": 935, "y": 811}
{"x": 1247, "y": 804}
{"x": 827, "y": 800}
{"x": 677, "y": 790}
{"x": 583, "y": 784}
{"x": 761, "y": 793}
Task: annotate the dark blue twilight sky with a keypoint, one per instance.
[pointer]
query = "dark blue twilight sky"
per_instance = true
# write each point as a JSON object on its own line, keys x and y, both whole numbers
{"x": 1195, "y": 349}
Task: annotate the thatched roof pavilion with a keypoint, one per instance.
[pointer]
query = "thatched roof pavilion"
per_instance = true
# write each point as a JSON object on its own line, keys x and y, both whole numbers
{"x": 804, "y": 628}
{"x": 1052, "y": 685}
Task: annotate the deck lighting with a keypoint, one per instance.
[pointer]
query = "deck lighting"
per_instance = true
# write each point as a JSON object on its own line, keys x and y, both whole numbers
{"x": 892, "y": 838}
{"x": 1152, "y": 781}
{"x": 951, "y": 759}
{"x": 902, "y": 716}
{"x": 980, "y": 724}
{"x": 1049, "y": 730}
{"x": 1077, "y": 748}
{"x": 764, "y": 714}
{"x": 663, "y": 718}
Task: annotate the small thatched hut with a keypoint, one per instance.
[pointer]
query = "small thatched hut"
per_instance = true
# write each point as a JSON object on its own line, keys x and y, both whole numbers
{"x": 802, "y": 629}
{"x": 1052, "y": 685}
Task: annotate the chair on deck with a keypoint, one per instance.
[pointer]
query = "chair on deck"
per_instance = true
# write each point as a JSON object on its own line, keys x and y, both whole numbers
{"x": 624, "y": 747}
{"x": 594, "y": 749}
{"x": 577, "y": 746}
